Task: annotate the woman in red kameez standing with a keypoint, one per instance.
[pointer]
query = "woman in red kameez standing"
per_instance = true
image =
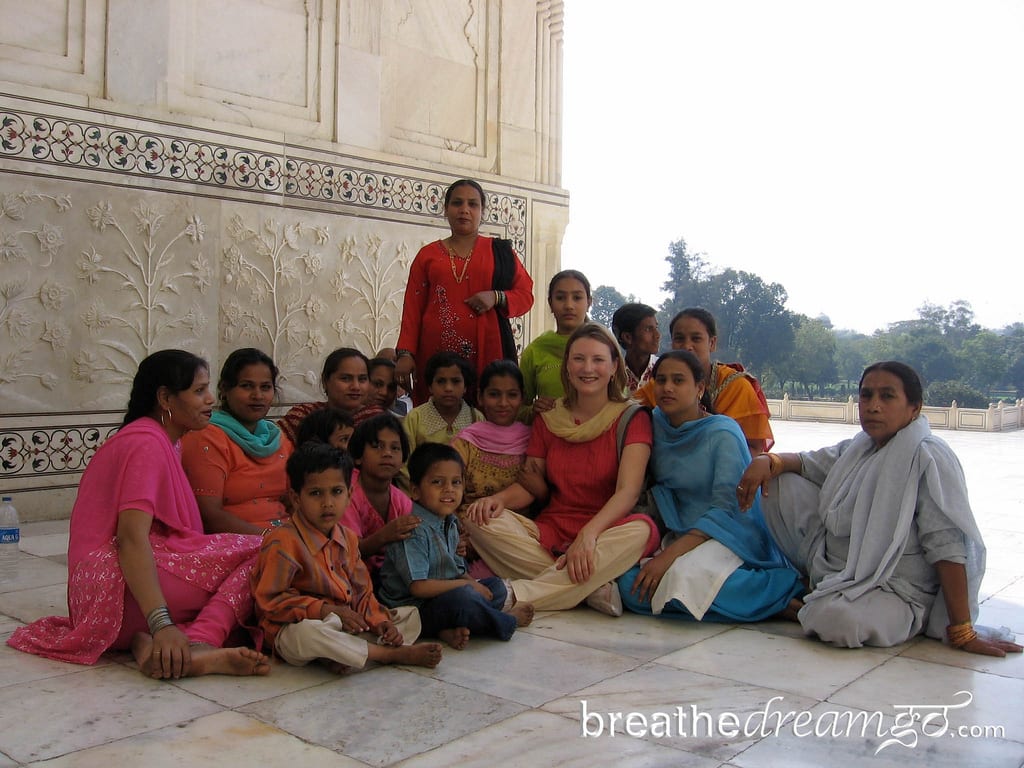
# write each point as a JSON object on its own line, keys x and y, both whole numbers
{"x": 461, "y": 292}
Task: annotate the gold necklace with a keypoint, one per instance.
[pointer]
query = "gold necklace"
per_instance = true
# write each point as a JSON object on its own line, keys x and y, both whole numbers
{"x": 465, "y": 264}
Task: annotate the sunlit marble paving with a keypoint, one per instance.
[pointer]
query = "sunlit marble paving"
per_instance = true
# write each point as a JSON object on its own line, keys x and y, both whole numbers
{"x": 522, "y": 703}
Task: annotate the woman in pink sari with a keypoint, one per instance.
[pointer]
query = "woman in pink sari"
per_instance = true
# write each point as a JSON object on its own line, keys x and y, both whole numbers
{"x": 141, "y": 572}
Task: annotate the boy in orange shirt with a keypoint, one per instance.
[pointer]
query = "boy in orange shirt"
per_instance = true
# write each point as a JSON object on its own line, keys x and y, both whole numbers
{"x": 313, "y": 594}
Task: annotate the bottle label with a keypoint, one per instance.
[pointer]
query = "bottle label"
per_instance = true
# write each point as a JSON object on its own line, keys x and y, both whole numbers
{"x": 10, "y": 535}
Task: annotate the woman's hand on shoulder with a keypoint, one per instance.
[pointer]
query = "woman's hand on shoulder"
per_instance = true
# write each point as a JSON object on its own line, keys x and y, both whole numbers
{"x": 756, "y": 475}
{"x": 483, "y": 510}
{"x": 172, "y": 654}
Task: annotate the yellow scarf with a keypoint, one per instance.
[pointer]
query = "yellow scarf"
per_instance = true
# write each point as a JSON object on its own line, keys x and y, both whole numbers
{"x": 560, "y": 422}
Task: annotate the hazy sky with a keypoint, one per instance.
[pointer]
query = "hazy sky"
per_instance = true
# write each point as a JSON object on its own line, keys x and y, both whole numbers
{"x": 868, "y": 155}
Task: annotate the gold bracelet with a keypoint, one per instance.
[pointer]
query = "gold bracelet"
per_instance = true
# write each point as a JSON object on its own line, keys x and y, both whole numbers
{"x": 775, "y": 464}
{"x": 960, "y": 634}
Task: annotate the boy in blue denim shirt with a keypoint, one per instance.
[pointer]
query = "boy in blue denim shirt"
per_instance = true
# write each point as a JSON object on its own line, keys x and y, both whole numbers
{"x": 426, "y": 570}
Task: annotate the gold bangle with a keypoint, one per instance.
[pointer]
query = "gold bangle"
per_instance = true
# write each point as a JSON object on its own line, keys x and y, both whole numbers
{"x": 775, "y": 464}
{"x": 960, "y": 634}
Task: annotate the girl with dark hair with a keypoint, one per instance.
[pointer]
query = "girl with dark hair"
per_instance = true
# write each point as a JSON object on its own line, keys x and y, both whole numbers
{"x": 378, "y": 512}
{"x": 237, "y": 465}
{"x": 141, "y": 572}
{"x": 715, "y": 563}
{"x": 569, "y": 300}
{"x": 881, "y": 525}
{"x": 462, "y": 290}
{"x": 346, "y": 382}
{"x": 494, "y": 449}
{"x": 447, "y": 413}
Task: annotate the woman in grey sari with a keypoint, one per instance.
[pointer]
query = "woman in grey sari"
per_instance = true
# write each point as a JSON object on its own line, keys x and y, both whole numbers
{"x": 881, "y": 526}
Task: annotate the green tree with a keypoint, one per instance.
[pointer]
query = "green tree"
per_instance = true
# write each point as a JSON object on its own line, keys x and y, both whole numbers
{"x": 942, "y": 394}
{"x": 754, "y": 325}
{"x": 606, "y": 301}
{"x": 853, "y": 355}
{"x": 812, "y": 361}
{"x": 984, "y": 360}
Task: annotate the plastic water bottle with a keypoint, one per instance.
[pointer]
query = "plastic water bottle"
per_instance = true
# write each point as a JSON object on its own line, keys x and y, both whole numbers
{"x": 10, "y": 538}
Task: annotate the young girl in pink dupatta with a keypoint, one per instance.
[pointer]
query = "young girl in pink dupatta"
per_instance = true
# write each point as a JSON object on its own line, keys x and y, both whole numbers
{"x": 141, "y": 572}
{"x": 493, "y": 450}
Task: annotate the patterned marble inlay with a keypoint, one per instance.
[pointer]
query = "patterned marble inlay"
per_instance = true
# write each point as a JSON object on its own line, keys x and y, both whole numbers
{"x": 152, "y": 154}
{"x": 43, "y": 451}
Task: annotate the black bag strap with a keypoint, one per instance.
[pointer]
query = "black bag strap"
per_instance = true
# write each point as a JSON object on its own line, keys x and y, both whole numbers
{"x": 504, "y": 275}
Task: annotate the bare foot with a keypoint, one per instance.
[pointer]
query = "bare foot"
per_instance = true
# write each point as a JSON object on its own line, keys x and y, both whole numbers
{"x": 419, "y": 655}
{"x": 789, "y": 613}
{"x": 522, "y": 612}
{"x": 457, "y": 638}
{"x": 207, "y": 660}
{"x": 142, "y": 650}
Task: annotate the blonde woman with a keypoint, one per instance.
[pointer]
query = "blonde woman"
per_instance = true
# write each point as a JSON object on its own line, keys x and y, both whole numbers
{"x": 586, "y": 535}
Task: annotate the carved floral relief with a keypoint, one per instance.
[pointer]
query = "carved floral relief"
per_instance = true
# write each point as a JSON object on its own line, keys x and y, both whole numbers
{"x": 290, "y": 289}
{"x": 143, "y": 274}
{"x": 33, "y": 330}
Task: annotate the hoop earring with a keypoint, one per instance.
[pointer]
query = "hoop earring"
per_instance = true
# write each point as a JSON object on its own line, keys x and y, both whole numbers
{"x": 163, "y": 423}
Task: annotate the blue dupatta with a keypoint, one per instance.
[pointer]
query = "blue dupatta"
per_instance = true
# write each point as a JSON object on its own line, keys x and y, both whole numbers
{"x": 697, "y": 467}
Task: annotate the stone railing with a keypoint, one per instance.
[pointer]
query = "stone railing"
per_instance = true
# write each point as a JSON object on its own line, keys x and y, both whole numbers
{"x": 998, "y": 417}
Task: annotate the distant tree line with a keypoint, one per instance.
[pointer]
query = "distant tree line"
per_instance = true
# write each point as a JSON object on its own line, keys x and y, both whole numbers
{"x": 806, "y": 357}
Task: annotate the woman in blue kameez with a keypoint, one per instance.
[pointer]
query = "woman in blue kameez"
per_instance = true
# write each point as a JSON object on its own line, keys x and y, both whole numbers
{"x": 716, "y": 563}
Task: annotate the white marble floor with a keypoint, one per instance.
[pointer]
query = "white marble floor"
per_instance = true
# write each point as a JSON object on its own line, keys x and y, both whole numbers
{"x": 692, "y": 695}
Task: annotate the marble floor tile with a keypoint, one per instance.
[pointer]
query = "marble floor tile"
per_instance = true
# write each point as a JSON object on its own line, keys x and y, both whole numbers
{"x": 220, "y": 740}
{"x": 17, "y": 667}
{"x": 59, "y": 715}
{"x": 802, "y": 666}
{"x": 1014, "y": 589}
{"x": 1002, "y": 611}
{"x": 793, "y": 630}
{"x": 235, "y": 692}
{"x": 528, "y": 669}
{"x": 542, "y": 739}
{"x": 833, "y": 735}
{"x": 995, "y": 581}
{"x": 641, "y": 637}
{"x": 45, "y": 527}
{"x": 7, "y": 625}
{"x": 29, "y": 604}
{"x": 383, "y": 715}
{"x": 995, "y": 699}
{"x": 1011, "y": 665}
{"x": 34, "y": 571}
{"x": 689, "y": 706}
{"x": 46, "y": 545}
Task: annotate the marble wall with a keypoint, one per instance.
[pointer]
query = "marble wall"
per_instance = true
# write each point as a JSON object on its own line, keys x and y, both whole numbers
{"x": 211, "y": 175}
